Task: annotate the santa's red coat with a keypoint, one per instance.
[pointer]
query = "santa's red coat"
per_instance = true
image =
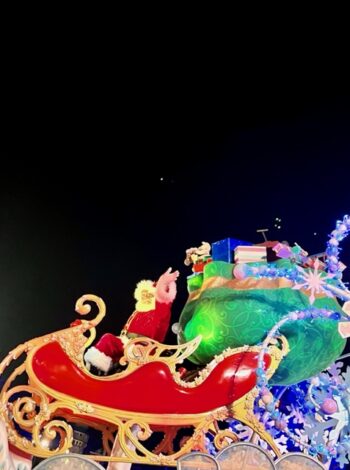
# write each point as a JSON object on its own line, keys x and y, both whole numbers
{"x": 153, "y": 324}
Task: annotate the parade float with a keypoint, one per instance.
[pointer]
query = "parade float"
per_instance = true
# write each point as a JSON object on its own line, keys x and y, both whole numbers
{"x": 257, "y": 363}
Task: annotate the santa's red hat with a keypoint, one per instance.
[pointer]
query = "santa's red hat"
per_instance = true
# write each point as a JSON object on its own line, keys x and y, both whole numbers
{"x": 106, "y": 352}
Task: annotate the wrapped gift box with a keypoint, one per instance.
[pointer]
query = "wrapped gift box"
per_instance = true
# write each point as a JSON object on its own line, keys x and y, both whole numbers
{"x": 250, "y": 254}
{"x": 223, "y": 249}
{"x": 271, "y": 255}
{"x": 282, "y": 251}
{"x": 311, "y": 264}
{"x": 199, "y": 265}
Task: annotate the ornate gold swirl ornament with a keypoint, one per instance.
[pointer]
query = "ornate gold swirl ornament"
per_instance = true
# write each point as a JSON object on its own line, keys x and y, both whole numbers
{"x": 140, "y": 351}
{"x": 32, "y": 413}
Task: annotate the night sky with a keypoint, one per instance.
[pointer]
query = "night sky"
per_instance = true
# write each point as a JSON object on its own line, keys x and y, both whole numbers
{"x": 95, "y": 202}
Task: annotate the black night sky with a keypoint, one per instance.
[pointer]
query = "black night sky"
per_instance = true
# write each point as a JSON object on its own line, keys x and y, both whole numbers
{"x": 96, "y": 201}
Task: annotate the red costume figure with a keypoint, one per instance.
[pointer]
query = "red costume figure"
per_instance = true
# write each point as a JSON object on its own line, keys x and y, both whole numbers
{"x": 151, "y": 318}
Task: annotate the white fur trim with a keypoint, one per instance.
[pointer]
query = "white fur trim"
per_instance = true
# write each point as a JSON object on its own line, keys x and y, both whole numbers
{"x": 124, "y": 339}
{"x": 98, "y": 359}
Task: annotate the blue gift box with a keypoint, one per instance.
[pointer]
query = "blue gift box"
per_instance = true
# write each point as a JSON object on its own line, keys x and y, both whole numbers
{"x": 223, "y": 249}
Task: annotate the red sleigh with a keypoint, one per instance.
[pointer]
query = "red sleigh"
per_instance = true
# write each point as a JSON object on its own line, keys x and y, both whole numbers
{"x": 148, "y": 396}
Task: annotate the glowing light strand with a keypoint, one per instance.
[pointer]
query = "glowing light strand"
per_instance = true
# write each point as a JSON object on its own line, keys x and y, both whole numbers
{"x": 332, "y": 251}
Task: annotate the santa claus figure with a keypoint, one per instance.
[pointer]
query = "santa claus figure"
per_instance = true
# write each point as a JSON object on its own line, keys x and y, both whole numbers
{"x": 151, "y": 318}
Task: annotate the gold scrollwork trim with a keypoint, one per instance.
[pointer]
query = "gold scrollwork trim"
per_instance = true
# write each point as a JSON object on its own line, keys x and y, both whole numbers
{"x": 141, "y": 350}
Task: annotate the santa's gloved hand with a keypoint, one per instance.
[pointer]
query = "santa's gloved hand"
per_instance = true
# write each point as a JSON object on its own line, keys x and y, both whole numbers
{"x": 166, "y": 287}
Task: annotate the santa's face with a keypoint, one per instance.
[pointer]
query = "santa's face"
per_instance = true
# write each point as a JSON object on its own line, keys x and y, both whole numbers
{"x": 146, "y": 297}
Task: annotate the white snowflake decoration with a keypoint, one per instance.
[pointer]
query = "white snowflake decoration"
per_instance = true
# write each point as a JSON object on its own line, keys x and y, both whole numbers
{"x": 296, "y": 414}
{"x": 313, "y": 281}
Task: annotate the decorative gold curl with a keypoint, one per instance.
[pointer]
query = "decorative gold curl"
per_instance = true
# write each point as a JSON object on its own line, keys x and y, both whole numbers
{"x": 26, "y": 411}
{"x": 49, "y": 432}
{"x": 220, "y": 440}
{"x": 83, "y": 309}
{"x": 133, "y": 432}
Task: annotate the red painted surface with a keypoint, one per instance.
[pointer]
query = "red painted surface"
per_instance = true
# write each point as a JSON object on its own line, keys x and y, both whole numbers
{"x": 19, "y": 452}
{"x": 151, "y": 388}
